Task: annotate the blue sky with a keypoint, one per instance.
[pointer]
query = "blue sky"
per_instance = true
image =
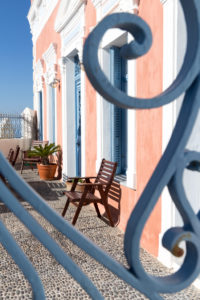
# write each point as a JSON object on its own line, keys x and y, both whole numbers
{"x": 16, "y": 75}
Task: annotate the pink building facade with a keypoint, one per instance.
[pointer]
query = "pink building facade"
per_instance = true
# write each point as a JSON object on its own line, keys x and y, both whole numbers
{"x": 71, "y": 113}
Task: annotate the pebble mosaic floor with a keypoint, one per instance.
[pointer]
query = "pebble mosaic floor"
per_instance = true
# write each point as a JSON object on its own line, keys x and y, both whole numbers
{"x": 57, "y": 282}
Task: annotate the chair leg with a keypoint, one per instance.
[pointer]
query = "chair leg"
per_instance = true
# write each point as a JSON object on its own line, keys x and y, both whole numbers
{"x": 77, "y": 212}
{"x": 108, "y": 213}
{"x": 66, "y": 207}
{"x": 22, "y": 166}
{"x": 97, "y": 210}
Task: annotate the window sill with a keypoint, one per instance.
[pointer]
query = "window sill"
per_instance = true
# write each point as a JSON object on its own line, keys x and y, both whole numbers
{"x": 123, "y": 181}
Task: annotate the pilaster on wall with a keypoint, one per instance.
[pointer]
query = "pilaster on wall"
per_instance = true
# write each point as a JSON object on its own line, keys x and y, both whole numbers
{"x": 63, "y": 63}
{"x": 70, "y": 23}
{"x": 38, "y": 75}
{"x": 68, "y": 113}
{"x": 175, "y": 40}
{"x": 169, "y": 112}
{"x": 38, "y": 83}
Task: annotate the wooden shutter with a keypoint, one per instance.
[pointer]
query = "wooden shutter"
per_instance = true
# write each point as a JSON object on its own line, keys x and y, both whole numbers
{"x": 118, "y": 115}
{"x": 78, "y": 114}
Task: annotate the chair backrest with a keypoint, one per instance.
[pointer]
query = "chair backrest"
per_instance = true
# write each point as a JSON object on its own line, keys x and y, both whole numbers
{"x": 115, "y": 192}
{"x": 15, "y": 155}
{"x": 10, "y": 155}
{"x": 106, "y": 173}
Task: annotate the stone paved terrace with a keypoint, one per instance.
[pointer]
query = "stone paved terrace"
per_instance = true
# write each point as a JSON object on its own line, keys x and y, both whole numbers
{"x": 57, "y": 283}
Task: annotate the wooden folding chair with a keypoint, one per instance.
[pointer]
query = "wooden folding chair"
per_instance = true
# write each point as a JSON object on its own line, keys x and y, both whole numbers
{"x": 102, "y": 183}
{"x": 15, "y": 156}
{"x": 31, "y": 161}
{"x": 10, "y": 155}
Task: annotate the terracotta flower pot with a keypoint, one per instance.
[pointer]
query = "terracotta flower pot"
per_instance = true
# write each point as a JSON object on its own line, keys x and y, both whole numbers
{"x": 47, "y": 172}
{"x": 78, "y": 188}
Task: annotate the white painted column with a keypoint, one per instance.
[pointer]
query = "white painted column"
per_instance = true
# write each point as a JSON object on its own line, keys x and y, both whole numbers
{"x": 83, "y": 115}
{"x": 99, "y": 131}
{"x": 62, "y": 64}
{"x": 48, "y": 111}
{"x": 56, "y": 116}
{"x": 169, "y": 114}
{"x": 131, "y": 138}
{"x": 99, "y": 113}
{"x": 70, "y": 120}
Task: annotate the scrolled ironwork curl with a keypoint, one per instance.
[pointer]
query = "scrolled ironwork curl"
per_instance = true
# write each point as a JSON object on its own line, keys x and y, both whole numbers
{"x": 190, "y": 232}
{"x": 187, "y": 81}
{"x": 141, "y": 33}
{"x": 167, "y": 173}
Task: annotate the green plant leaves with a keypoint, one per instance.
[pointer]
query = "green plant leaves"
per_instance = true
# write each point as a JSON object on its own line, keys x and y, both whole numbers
{"x": 44, "y": 152}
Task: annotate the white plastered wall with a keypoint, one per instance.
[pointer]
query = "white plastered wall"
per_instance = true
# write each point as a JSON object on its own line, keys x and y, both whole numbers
{"x": 175, "y": 40}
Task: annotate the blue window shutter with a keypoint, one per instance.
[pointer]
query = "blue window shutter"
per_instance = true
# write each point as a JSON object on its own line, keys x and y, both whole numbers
{"x": 77, "y": 79}
{"x": 116, "y": 69}
{"x": 118, "y": 115}
{"x": 116, "y": 138}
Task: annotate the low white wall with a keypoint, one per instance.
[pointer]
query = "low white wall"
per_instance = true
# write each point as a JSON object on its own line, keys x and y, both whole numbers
{"x": 6, "y": 144}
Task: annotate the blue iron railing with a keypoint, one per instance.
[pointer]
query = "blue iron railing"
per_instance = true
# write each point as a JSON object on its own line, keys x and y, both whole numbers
{"x": 169, "y": 172}
{"x": 13, "y": 125}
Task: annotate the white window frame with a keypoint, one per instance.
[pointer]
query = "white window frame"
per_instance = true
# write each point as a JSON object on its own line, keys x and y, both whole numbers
{"x": 38, "y": 109}
{"x": 49, "y": 114}
{"x": 117, "y": 37}
{"x": 72, "y": 33}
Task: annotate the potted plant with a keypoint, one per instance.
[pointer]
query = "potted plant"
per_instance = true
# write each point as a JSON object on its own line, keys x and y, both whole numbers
{"x": 79, "y": 188}
{"x": 46, "y": 169}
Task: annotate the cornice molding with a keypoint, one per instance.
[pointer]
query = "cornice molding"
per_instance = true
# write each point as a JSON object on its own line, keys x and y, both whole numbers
{"x": 38, "y": 15}
{"x": 163, "y": 1}
{"x": 96, "y": 2}
{"x": 130, "y": 6}
{"x": 50, "y": 58}
{"x": 39, "y": 67}
{"x": 105, "y": 7}
{"x": 66, "y": 11}
{"x": 73, "y": 33}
